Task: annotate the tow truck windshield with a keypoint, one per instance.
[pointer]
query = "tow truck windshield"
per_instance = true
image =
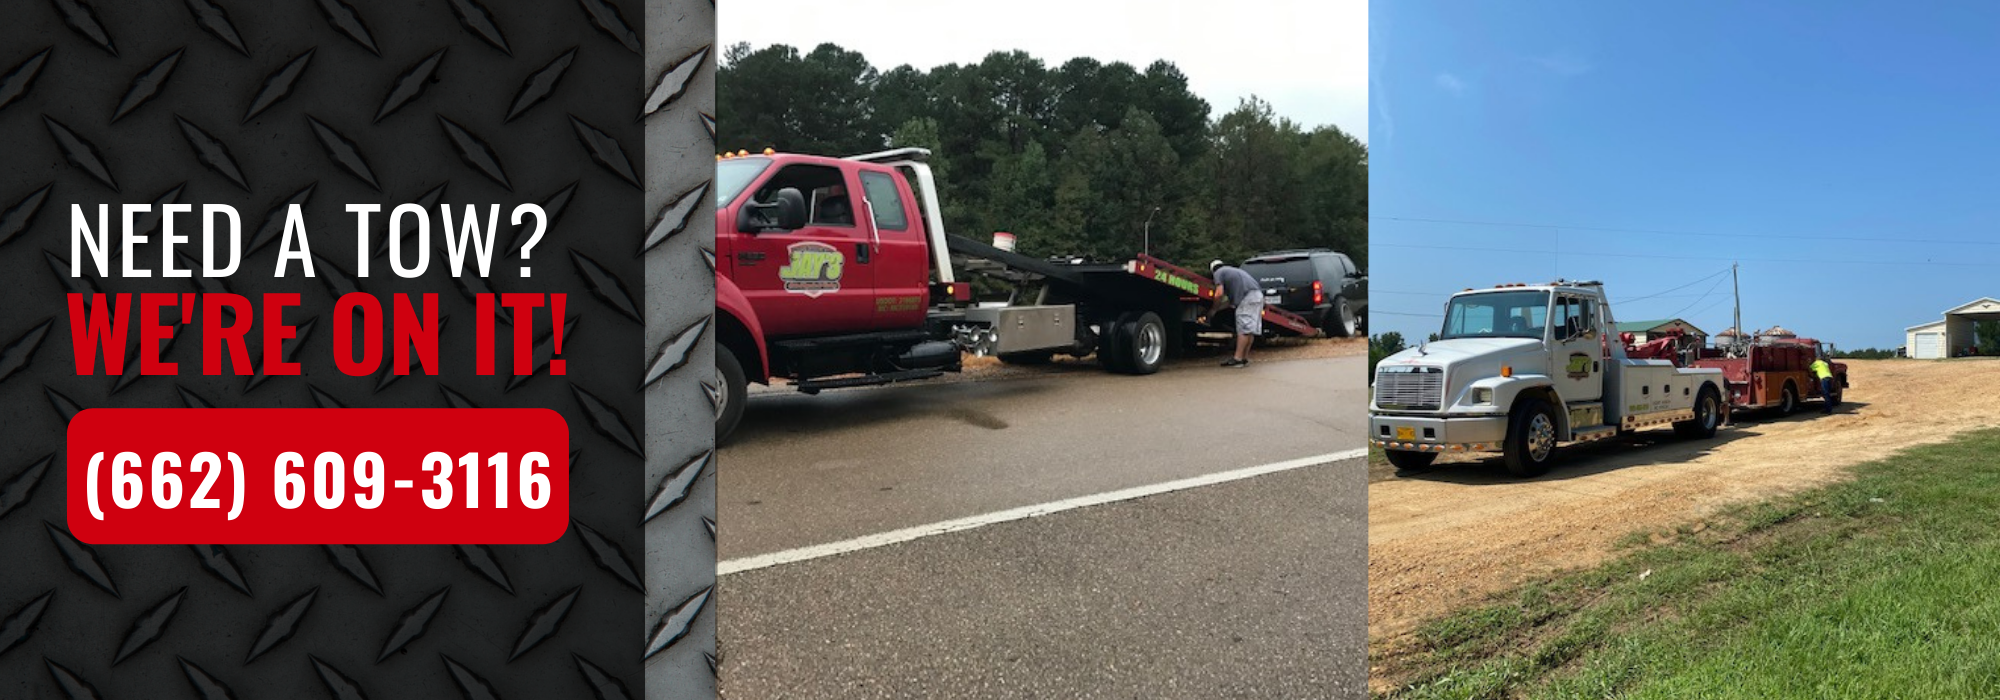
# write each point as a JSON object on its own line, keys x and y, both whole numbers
{"x": 1496, "y": 315}
{"x": 731, "y": 176}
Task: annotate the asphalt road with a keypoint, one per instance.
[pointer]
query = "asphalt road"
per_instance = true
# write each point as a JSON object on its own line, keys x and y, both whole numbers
{"x": 1248, "y": 588}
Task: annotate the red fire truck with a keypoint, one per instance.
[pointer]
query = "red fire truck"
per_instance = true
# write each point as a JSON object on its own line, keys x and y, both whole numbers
{"x": 1770, "y": 372}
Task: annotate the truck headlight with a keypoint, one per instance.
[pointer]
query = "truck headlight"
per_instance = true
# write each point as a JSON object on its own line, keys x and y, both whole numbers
{"x": 1482, "y": 396}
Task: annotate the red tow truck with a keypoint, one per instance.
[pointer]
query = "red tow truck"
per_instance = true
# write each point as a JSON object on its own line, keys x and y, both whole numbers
{"x": 1769, "y": 372}
{"x": 838, "y": 272}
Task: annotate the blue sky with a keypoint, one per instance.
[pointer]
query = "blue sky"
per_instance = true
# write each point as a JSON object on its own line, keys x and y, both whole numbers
{"x": 1847, "y": 154}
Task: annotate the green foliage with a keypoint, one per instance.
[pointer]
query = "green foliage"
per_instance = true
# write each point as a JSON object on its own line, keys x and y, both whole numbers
{"x": 1986, "y": 337}
{"x": 1381, "y": 347}
{"x": 1866, "y": 588}
{"x": 1073, "y": 159}
{"x": 1865, "y": 354}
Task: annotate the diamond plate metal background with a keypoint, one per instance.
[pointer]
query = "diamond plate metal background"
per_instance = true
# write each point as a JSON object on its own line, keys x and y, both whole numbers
{"x": 680, "y": 302}
{"x": 325, "y": 103}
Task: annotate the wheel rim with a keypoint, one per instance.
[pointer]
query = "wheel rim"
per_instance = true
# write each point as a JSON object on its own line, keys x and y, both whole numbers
{"x": 1541, "y": 437}
{"x": 1708, "y": 412}
{"x": 1791, "y": 399}
{"x": 1152, "y": 342}
{"x": 1347, "y": 320}
{"x": 722, "y": 396}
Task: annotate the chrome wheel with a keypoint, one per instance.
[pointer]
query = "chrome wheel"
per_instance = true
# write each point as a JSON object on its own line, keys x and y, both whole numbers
{"x": 1541, "y": 437}
{"x": 1347, "y": 320}
{"x": 720, "y": 394}
{"x": 1152, "y": 343}
{"x": 1708, "y": 413}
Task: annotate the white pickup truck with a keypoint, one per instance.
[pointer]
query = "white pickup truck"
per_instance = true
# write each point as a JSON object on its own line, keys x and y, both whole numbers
{"x": 1521, "y": 369}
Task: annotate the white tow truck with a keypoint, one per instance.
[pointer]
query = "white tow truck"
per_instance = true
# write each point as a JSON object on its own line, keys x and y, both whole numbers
{"x": 1523, "y": 368}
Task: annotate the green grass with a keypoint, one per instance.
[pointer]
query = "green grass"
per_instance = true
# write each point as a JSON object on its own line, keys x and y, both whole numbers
{"x": 1885, "y": 586}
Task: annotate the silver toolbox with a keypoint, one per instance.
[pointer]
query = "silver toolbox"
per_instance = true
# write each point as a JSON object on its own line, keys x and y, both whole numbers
{"x": 1024, "y": 328}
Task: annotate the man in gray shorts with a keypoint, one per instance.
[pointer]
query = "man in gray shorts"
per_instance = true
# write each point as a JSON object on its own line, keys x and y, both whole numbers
{"x": 1243, "y": 291}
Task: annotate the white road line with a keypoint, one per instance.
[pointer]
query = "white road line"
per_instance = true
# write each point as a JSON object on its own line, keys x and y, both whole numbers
{"x": 883, "y": 539}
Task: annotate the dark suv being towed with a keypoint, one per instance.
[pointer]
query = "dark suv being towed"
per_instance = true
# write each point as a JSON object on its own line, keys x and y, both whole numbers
{"x": 1317, "y": 283}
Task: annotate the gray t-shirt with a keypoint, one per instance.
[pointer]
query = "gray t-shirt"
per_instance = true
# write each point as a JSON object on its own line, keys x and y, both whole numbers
{"x": 1236, "y": 283}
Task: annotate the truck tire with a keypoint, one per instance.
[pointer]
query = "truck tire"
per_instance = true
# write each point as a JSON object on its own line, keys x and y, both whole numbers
{"x": 1112, "y": 344}
{"x": 1531, "y": 438}
{"x": 1031, "y": 357}
{"x": 1145, "y": 343}
{"x": 1407, "y": 461}
{"x": 733, "y": 391}
{"x": 1707, "y": 415}
{"x": 1789, "y": 401}
{"x": 1341, "y": 322}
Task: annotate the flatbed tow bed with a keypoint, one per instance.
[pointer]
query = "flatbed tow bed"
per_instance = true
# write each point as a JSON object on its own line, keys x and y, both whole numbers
{"x": 1143, "y": 281}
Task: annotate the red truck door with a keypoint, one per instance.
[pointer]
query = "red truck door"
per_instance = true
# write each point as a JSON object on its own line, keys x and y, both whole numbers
{"x": 820, "y": 278}
{"x": 902, "y": 256}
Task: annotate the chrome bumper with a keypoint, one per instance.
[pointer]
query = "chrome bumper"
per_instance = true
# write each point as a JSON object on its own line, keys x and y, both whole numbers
{"x": 1427, "y": 434}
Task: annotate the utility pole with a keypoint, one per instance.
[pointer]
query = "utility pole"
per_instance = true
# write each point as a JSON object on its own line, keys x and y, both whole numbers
{"x": 1737, "y": 291}
{"x": 1149, "y": 230}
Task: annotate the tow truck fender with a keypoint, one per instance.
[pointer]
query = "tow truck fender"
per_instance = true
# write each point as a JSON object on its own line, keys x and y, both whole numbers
{"x": 1507, "y": 390}
{"x": 729, "y": 300}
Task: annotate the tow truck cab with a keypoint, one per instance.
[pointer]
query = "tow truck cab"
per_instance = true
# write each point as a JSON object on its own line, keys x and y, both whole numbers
{"x": 810, "y": 246}
{"x": 1518, "y": 369}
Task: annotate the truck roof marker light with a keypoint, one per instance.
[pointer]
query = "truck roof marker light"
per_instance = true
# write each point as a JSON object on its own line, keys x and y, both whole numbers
{"x": 770, "y": 151}
{"x": 1506, "y": 370}
{"x": 743, "y": 152}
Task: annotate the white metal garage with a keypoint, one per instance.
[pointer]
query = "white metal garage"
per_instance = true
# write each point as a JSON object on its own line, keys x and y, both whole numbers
{"x": 1926, "y": 342}
{"x": 1952, "y": 335}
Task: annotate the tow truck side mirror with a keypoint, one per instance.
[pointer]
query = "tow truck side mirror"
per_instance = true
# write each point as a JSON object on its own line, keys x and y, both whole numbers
{"x": 785, "y": 212}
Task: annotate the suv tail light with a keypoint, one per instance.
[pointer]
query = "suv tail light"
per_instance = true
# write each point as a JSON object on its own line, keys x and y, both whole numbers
{"x": 1319, "y": 293}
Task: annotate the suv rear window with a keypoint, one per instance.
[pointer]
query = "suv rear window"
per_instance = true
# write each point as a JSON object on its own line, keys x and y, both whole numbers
{"x": 1289, "y": 269}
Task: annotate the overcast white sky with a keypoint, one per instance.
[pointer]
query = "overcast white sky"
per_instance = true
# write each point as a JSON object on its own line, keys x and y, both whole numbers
{"x": 1308, "y": 58}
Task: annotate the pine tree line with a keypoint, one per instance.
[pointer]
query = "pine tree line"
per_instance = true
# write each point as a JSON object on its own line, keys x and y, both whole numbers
{"x": 1071, "y": 159}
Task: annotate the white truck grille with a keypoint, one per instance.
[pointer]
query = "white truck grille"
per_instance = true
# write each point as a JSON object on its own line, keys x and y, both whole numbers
{"x": 1409, "y": 388}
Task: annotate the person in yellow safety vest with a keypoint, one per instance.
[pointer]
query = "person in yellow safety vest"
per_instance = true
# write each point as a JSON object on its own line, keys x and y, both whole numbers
{"x": 1824, "y": 372}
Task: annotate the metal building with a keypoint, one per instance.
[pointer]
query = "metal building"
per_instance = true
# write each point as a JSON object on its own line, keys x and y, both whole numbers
{"x": 1951, "y": 336}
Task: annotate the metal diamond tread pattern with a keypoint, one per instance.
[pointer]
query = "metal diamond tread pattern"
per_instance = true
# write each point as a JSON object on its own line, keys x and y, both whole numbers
{"x": 323, "y": 103}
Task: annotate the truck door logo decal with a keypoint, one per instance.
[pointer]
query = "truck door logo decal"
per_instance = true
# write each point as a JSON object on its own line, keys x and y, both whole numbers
{"x": 813, "y": 268}
{"x": 1579, "y": 366}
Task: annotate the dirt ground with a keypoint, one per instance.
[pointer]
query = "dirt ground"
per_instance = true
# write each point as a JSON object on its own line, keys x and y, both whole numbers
{"x": 1462, "y": 530}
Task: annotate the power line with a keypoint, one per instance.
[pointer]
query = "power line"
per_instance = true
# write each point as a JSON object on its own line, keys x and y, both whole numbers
{"x": 1724, "y": 271}
{"x": 1793, "y": 261}
{"x": 1704, "y": 295}
{"x": 1705, "y": 309}
{"x": 1606, "y": 229}
{"x": 1662, "y": 294}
